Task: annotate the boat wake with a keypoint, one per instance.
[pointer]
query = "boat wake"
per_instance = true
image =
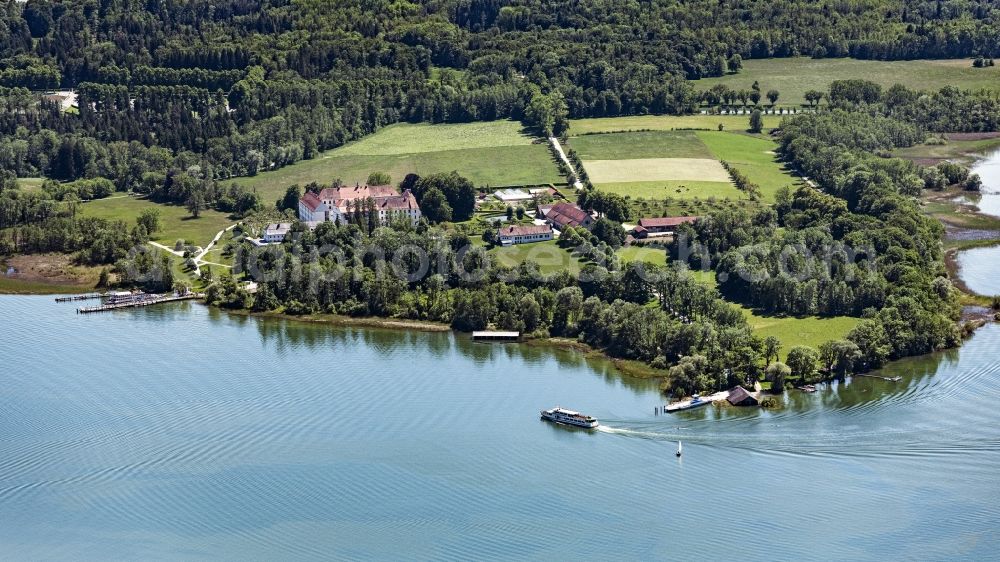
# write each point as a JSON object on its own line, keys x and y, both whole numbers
{"x": 637, "y": 433}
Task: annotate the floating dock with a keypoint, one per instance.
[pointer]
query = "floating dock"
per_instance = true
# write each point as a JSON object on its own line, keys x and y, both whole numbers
{"x": 496, "y": 336}
{"x": 150, "y": 300}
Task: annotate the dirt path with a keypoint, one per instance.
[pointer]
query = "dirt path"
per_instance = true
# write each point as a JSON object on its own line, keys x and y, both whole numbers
{"x": 199, "y": 257}
{"x": 555, "y": 144}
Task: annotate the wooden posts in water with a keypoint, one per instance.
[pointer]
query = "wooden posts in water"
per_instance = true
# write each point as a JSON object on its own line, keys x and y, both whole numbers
{"x": 80, "y": 297}
{"x": 154, "y": 299}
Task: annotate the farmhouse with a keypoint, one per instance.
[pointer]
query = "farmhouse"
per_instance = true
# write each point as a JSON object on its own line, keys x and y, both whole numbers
{"x": 664, "y": 225}
{"x": 524, "y": 234}
{"x": 275, "y": 232}
{"x": 332, "y": 204}
{"x": 562, "y": 215}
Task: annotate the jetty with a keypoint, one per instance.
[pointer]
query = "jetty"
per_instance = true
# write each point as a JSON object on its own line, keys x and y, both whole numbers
{"x": 139, "y": 299}
{"x": 81, "y": 297}
{"x": 496, "y": 336}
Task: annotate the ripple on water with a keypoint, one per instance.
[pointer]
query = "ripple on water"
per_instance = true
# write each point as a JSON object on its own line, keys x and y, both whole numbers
{"x": 240, "y": 438}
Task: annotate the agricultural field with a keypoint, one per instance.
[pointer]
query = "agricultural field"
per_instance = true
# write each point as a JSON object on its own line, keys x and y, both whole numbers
{"x": 754, "y": 156}
{"x": 175, "y": 220}
{"x": 734, "y": 123}
{"x": 811, "y": 331}
{"x": 495, "y": 153}
{"x": 653, "y": 164}
{"x": 640, "y": 144}
{"x": 793, "y": 76}
{"x": 680, "y": 164}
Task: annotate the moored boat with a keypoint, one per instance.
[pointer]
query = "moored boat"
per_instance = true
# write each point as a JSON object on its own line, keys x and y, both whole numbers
{"x": 696, "y": 401}
{"x": 569, "y": 417}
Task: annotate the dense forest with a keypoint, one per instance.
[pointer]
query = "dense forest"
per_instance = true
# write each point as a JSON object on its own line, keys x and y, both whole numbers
{"x": 240, "y": 86}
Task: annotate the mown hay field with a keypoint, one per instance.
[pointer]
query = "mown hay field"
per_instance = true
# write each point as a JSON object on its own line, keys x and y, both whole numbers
{"x": 656, "y": 169}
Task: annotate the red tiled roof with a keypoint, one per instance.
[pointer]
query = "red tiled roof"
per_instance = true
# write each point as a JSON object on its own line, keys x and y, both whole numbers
{"x": 402, "y": 202}
{"x": 639, "y": 229}
{"x": 311, "y": 200}
{"x": 665, "y": 222}
{"x": 525, "y": 229}
{"x": 341, "y": 195}
{"x": 567, "y": 214}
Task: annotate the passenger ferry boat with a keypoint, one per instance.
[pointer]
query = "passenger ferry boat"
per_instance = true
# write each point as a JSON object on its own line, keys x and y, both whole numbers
{"x": 569, "y": 417}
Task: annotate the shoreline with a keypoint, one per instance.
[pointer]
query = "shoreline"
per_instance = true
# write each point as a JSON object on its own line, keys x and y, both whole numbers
{"x": 626, "y": 367}
{"x": 349, "y": 321}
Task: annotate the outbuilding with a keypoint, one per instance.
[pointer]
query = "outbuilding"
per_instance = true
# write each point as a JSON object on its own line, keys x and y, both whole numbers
{"x": 740, "y": 396}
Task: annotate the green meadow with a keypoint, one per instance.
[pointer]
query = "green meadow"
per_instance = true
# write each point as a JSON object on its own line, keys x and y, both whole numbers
{"x": 811, "y": 331}
{"x": 792, "y": 77}
{"x": 492, "y": 153}
{"x": 640, "y": 144}
{"x": 680, "y": 154}
{"x": 752, "y": 155}
{"x": 175, "y": 220}
{"x": 548, "y": 255}
{"x": 734, "y": 123}
{"x": 676, "y": 189}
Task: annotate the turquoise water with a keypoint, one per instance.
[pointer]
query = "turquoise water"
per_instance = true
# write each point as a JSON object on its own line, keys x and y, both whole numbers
{"x": 182, "y": 432}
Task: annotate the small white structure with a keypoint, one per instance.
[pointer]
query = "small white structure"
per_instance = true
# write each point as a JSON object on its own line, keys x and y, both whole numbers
{"x": 275, "y": 232}
{"x": 512, "y": 195}
{"x": 524, "y": 234}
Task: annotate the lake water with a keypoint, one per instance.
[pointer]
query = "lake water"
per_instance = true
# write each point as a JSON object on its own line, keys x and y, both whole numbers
{"x": 980, "y": 267}
{"x": 182, "y": 432}
{"x": 988, "y": 168}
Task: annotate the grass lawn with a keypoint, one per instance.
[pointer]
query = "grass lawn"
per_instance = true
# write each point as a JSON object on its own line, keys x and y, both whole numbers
{"x": 665, "y": 123}
{"x": 648, "y": 254}
{"x": 677, "y": 189}
{"x": 811, "y": 331}
{"x": 494, "y": 153}
{"x": 793, "y": 76}
{"x": 754, "y": 156}
{"x": 175, "y": 220}
{"x": 644, "y": 144}
{"x": 549, "y": 256}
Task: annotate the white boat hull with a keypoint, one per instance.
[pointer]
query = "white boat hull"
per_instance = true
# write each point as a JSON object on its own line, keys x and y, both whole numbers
{"x": 574, "y": 419}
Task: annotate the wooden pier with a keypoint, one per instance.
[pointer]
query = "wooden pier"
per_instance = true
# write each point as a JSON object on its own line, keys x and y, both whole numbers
{"x": 496, "y": 336}
{"x": 81, "y": 297}
{"x": 154, "y": 299}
